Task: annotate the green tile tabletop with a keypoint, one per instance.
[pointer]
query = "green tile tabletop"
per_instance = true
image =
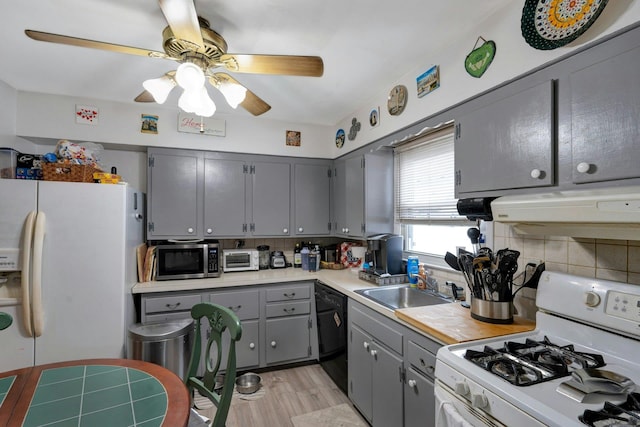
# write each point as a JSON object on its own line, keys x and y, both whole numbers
{"x": 96, "y": 395}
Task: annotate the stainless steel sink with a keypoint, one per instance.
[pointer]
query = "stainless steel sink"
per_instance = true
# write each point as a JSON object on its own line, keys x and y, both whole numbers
{"x": 402, "y": 296}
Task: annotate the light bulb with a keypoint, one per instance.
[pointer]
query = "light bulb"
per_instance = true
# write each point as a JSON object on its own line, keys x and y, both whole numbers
{"x": 189, "y": 76}
{"x": 159, "y": 88}
{"x": 233, "y": 93}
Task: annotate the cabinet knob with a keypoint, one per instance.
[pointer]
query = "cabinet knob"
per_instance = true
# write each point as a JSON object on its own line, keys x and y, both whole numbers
{"x": 366, "y": 345}
{"x": 190, "y": 230}
{"x": 374, "y": 353}
{"x": 412, "y": 383}
{"x": 536, "y": 173}
{"x": 252, "y": 346}
{"x": 209, "y": 230}
{"x": 285, "y": 230}
{"x": 346, "y": 230}
{"x": 300, "y": 229}
{"x": 583, "y": 167}
{"x": 273, "y": 344}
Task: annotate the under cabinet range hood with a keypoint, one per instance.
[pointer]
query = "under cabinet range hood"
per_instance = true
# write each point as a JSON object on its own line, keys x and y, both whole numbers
{"x": 612, "y": 213}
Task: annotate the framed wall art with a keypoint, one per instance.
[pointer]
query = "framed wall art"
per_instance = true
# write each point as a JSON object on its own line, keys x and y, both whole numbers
{"x": 428, "y": 81}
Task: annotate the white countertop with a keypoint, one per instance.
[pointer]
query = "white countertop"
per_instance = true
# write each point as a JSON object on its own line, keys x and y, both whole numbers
{"x": 345, "y": 281}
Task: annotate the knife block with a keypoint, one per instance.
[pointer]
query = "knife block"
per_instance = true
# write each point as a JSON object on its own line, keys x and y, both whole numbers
{"x": 492, "y": 311}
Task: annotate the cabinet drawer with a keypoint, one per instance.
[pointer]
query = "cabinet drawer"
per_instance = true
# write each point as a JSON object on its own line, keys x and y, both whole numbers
{"x": 288, "y": 309}
{"x": 245, "y": 304}
{"x": 378, "y": 330}
{"x": 166, "y": 317}
{"x": 171, "y": 303}
{"x": 288, "y": 293}
{"x": 423, "y": 360}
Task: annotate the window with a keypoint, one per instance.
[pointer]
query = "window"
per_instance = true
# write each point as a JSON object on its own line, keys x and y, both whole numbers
{"x": 425, "y": 203}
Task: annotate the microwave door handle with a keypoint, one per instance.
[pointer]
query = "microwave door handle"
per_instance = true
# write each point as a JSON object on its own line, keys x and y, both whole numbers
{"x": 38, "y": 243}
{"x": 185, "y": 241}
{"x": 27, "y": 239}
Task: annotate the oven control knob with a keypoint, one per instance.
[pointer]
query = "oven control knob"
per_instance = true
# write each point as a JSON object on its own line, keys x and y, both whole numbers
{"x": 479, "y": 400}
{"x": 461, "y": 387}
{"x": 591, "y": 299}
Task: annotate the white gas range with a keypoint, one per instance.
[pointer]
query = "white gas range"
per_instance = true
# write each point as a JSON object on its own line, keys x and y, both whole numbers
{"x": 585, "y": 328}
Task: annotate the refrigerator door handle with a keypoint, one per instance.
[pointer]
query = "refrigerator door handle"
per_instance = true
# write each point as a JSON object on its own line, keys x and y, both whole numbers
{"x": 38, "y": 243}
{"x": 27, "y": 239}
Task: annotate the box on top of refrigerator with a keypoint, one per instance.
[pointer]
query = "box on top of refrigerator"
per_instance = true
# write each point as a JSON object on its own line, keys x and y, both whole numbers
{"x": 8, "y": 159}
{"x": 29, "y": 166}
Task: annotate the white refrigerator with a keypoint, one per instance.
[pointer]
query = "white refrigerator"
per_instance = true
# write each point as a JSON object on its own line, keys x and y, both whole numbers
{"x": 67, "y": 265}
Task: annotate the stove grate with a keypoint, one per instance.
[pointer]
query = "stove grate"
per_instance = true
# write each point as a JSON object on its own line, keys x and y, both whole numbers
{"x": 626, "y": 414}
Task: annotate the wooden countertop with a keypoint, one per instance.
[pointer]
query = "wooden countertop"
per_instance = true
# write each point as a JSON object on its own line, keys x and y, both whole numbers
{"x": 452, "y": 323}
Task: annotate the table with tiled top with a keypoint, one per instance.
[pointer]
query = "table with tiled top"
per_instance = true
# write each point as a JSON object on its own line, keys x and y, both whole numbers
{"x": 97, "y": 392}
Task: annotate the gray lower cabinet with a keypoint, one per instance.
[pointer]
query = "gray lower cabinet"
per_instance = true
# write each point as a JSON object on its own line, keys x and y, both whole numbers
{"x": 363, "y": 194}
{"x": 375, "y": 367}
{"x": 507, "y": 143}
{"x": 391, "y": 370}
{"x": 174, "y": 197}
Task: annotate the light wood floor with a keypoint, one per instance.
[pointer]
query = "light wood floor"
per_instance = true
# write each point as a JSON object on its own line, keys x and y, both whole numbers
{"x": 288, "y": 392}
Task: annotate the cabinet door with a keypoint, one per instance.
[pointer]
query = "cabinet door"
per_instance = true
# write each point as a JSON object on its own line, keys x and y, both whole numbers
{"x": 354, "y": 187}
{"x": 247, "y": 349}
{"x": 287, "y": 339}
{"x": 311, "y": 187}
{"x": 339, "y": 197}
{"x": 419, "y": 400}
{"x": 173, "y": 188}
{"x": 508, "y": 143}
{"x": 605, "y": 129}
{"x": 271, "y": 196}
{"x": 225, "y": 196}
{"x": 386, "y": 388}
{"x": 359, "y": 364}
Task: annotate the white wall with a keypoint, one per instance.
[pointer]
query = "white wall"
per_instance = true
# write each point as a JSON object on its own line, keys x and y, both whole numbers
{"x": 8, "y": 99}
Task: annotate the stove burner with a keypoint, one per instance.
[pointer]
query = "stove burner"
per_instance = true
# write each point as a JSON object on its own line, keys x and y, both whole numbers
{"x": 532, "y": 362}
{"x": 626, "y": 414}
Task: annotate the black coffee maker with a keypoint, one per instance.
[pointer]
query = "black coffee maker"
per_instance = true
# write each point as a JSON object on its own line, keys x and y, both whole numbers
{"x": 384, "y": 254}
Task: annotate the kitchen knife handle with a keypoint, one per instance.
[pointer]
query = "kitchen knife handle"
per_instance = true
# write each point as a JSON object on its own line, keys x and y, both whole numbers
{"x": 27, "y": 238}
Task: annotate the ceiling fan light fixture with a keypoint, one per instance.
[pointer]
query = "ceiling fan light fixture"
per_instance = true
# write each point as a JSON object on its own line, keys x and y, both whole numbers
{"x": 233, "y": 93}
{"x": 197, "y": 101}
{"x": 189, "y": 76}
{"x": 159, "y": 88}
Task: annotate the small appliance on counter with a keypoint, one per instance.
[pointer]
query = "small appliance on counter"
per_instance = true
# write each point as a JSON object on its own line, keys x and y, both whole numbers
{"x": 264, "y": 257}
{"x": 177, "y": 261}
{"x": 384, "y": 254}
{"x": 278, "y": 260}
{"x": 240, "y": 260}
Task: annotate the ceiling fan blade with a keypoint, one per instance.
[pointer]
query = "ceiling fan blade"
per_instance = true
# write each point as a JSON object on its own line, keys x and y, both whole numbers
{"x": 291, "y": 65}
{"x": 75, "y": 41}
{"x": 145, "y": 97}
{"x": 252, "y": 102}
{"x": 183, "y": 20}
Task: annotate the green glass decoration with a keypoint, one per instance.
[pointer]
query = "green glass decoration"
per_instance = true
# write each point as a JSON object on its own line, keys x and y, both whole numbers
{"x": 477, "y": 62}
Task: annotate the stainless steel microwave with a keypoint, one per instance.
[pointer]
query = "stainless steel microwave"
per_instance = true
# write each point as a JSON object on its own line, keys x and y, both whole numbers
{"x": 188, "y": 261}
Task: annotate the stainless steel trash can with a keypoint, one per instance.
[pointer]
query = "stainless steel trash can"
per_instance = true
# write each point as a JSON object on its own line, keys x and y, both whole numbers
{"x": 167, "y": 344}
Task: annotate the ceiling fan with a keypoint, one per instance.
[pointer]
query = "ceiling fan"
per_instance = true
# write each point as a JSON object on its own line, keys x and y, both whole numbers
{"x": 201, "y": 51}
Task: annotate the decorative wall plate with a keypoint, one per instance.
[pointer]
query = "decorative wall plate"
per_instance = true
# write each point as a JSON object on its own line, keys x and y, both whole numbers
{"x": 397, "y": 100}
{"x": 355, "y": 128}
{"x": 477, "y": 62}
{"x": 340, "y": 138}
{"x": 549, "y": 24}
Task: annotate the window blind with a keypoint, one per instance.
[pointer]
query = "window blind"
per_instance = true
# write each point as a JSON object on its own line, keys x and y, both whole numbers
{"x": 425, "y": 179}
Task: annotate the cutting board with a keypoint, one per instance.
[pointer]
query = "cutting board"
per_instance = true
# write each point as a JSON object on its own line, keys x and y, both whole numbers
{"x": 452, "y": 323}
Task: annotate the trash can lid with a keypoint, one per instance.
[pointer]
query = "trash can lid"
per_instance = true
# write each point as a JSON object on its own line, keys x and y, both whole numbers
{"x": 164, "y": 330}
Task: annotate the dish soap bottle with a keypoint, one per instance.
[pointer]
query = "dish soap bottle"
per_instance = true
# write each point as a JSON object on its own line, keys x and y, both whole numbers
{"x": 412, "y": 270}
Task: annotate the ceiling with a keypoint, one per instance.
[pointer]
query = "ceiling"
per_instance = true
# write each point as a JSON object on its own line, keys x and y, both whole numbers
{"x": 365, "y": 47}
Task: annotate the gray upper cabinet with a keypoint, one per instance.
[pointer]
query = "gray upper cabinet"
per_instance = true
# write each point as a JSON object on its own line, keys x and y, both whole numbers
{"x": 225, "y": 197}
{"x": 363, "y": 195}
{"x": 271, "y": 198}
{"x": 174, "y": 194}
{"x": 246, "y": 198}
{"x": 312, "y": 199}
{"x": 508, "y": 143}
{"x": 605, "y": 112}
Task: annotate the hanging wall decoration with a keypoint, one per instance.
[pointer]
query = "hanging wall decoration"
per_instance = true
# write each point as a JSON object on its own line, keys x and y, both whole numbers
{"x": 428, "y": 81}
{"x": 397, "y": 100}
{"x": 149, "y": 123}
{"x": 374, "y": 117}
{"x": 477, "y": 62}
{"x": 340, "y": 138}
{"x": 550, "y": 24}
{"x": 293, "y": 138}
{"x": 355, "y": 128}
{"x": 190, "y": 123}
{"x": 87, "y": 115}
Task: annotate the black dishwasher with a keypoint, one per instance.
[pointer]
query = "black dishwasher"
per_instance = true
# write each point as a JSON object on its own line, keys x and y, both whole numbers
{"x": 331, "y": 311}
